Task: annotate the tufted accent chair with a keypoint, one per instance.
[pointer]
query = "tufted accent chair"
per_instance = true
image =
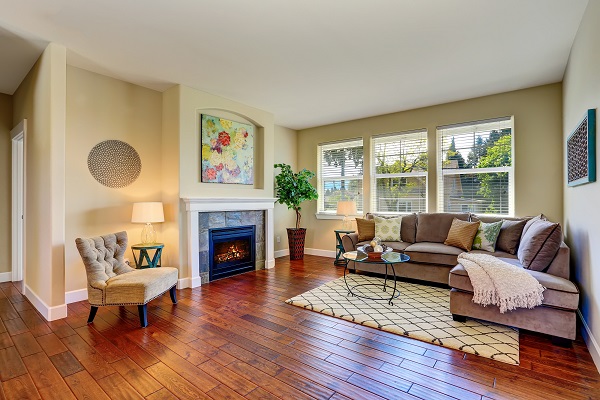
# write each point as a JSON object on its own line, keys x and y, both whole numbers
{"x": 112, "y": 282}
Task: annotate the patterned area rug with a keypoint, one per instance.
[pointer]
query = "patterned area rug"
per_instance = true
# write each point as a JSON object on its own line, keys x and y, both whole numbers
{"x": 420, "y": 312}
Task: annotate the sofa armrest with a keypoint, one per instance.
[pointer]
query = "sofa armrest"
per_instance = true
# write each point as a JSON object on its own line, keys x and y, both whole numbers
{"x": 560, "y": 265}
{"x": 349, "y": 241}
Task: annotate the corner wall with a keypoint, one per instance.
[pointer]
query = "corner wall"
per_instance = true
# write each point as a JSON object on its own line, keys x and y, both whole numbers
{"x": 6, "y": 125}
{"x": 100, "y": 108}
{"x": 581, "y": 91}
{"x": 537, "y": 138}
{"x": 41, "y": 99}
{"x": 286, "y": 144}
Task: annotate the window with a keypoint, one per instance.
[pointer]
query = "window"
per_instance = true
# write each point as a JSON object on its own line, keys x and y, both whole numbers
{"x": 475, "y": 167}
{"x": 399, "y": 182}
{"x": 340, "y": 174}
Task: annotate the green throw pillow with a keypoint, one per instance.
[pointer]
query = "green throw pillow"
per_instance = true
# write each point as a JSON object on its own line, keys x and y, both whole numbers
{"x": 388, "y": 229}
{"x": 486, "y": 237}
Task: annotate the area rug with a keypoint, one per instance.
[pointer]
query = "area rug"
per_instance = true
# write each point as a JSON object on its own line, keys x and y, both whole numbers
{"x": 419, "y": 312}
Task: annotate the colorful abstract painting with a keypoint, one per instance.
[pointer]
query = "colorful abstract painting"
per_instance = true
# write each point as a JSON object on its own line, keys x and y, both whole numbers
{"x": 227, "y": 151}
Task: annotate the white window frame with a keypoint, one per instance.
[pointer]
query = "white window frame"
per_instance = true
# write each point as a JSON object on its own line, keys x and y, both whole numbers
{"x": 375, "y": 176}
{"x": 331, "y": 214}
{"x": 510, "y": 170}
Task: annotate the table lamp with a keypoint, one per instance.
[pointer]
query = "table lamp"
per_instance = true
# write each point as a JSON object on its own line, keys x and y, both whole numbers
{"x": 147, "y": 213}
{"x": 346, "y": 208}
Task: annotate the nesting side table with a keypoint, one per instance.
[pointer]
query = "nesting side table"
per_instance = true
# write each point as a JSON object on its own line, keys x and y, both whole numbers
{"x": 339, "y": 247}
{"x": 143, "y": 260}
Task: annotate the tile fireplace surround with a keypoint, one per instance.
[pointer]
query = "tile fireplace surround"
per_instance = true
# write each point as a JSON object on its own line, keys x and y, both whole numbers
{"x": 225, "y": 212}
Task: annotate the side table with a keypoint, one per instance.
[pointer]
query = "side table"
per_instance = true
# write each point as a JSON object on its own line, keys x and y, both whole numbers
{"x": 339, "y": 247}
{"x": 143, "y": 249}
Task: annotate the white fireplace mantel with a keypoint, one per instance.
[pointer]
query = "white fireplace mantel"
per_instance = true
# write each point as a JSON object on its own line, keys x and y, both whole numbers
{"x": 195, "y": 206}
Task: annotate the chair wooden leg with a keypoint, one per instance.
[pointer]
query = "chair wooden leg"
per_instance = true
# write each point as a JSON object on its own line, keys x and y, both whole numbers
{"x": 143, "y": 312}
{"x": 93, "y": 312}
{"x": 173, "y": 294}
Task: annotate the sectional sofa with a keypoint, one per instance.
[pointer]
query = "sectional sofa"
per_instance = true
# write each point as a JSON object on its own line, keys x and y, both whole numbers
{"x": 422, "y": 238}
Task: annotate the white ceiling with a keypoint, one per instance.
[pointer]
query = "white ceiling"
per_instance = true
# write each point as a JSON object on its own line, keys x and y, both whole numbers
{"x": 310, "y": 62}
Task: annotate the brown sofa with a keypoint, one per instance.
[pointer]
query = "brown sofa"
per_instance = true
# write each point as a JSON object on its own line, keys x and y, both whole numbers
{"x": 423, "y": 237}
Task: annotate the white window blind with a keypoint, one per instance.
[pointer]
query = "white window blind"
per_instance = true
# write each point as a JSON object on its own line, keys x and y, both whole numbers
{"x": 399, "y": 168}
{"x": 475, "y": 167}
{"x": 340, "y": 174}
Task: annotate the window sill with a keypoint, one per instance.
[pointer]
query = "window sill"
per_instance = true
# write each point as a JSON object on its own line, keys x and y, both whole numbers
{"x": 322, "y": 215}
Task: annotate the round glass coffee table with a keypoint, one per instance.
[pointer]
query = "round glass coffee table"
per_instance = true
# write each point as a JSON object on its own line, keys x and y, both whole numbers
{"x": 387, "y": 259}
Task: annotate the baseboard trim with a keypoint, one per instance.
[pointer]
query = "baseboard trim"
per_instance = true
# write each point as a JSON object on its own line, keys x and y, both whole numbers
{"x": 320, "y": 252}
{"x": 5, "y": 277}
{"x": 49, "y": 313}
{"x": 270, "y": 264}
{"x": 590, "y": 341}
{"x": 184, "y": 283}
{"x": 74, "y": 296}
{"x": 282, "y": 253}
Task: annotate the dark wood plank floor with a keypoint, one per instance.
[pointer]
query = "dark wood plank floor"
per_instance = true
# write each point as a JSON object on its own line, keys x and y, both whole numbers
{"x": 235, "y": 338}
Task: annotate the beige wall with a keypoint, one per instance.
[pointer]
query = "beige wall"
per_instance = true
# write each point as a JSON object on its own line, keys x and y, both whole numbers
{"x": 581, "y": 91}
{"x": 41, "y": 100}
{"x": 537, "y": 138}
{"x": 6, "y": 125}
{"x": 286, "y": 152}
{"x": 101, "y": 108}
{"x": 172, "y": 235}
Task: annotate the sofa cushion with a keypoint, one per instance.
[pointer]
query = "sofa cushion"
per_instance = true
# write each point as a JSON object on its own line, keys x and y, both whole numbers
{"x": 461, "y": 234}
{"x": 408, "y": 228}
{"x": 388, "y": 229}
{"x": 433, "y": 253}
{"x": 366, "y": 229}
{"x": 497, "y": 253}
{"x": 434, "y": 227}
{"x": 487, "y": 236}
{"x": 560, "y": 292}
{"x": 539, "y": 244}
{"x": 532, "y": 220}
{"x": 510, "y": 235}
{"x": 399, "y": 246}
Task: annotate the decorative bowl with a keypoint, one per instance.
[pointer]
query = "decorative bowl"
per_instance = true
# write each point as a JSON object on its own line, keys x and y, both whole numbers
{"x": 374, "y": 255}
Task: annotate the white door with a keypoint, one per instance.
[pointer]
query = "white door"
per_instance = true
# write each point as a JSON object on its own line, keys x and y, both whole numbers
{"x": 18, "y": 203}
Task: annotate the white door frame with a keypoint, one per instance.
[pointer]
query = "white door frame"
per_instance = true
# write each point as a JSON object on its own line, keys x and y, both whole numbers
{"x": 17, "y": 135}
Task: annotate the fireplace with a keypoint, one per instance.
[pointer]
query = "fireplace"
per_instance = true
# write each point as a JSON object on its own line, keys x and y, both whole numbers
{"x": 231, "y": 251}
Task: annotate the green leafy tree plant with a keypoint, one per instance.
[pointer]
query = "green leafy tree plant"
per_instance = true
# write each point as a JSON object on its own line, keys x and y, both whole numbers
{"x": 292, "y": 188}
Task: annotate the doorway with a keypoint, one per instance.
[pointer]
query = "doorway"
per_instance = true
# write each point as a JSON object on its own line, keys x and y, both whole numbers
{"x": 17, "y": 135}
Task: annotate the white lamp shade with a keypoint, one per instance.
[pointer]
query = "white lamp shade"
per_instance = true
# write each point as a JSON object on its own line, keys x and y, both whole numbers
{"x": 346, "y": 208}
{"x": 150, "y": 211}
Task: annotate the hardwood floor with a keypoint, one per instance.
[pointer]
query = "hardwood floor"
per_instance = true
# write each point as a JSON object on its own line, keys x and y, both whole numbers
{"x": 235, "y": 338}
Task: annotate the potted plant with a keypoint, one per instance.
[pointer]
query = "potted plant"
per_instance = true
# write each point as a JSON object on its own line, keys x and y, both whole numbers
{"x": 292, "y": 189}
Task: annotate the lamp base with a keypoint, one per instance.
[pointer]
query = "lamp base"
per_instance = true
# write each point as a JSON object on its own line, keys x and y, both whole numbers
{"x": 346, "y": 223}
{"x": 148, "y": 234}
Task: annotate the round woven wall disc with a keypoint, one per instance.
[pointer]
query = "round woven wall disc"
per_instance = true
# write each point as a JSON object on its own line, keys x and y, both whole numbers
{"x": 114, "y": 163}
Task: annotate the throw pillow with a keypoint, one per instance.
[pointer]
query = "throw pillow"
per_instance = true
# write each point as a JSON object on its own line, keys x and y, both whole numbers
{"x": 487, "y": 235}
{"x": 388, "y": 229}
{"x": 510, "y": 235}
{"x": 366, "y": 229}
{"x": 461, "y": 234}
{"x": 539, "y": 245}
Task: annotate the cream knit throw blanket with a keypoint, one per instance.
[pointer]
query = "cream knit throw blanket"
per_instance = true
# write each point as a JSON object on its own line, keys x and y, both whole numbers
{"x": 500, "y": 283}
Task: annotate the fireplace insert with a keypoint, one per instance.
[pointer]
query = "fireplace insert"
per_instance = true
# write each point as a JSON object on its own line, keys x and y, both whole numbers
{"x": 231, "y": 251}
